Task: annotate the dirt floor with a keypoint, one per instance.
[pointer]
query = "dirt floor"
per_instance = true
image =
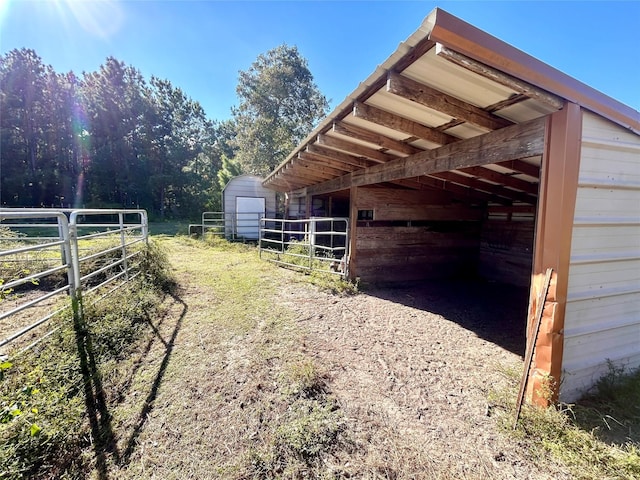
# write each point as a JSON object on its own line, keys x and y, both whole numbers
{"x": 417, "y": 363}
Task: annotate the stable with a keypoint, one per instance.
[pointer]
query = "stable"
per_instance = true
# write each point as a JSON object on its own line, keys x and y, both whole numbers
{"x": 460, "y": 156}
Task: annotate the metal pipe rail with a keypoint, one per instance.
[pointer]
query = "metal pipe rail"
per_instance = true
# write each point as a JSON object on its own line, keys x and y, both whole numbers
{"x": 314, "y": 244}
{"x": 114, "y": 261}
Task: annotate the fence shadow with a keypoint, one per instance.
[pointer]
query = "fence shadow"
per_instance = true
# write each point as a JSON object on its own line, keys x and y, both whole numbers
{"x": 153, "y": 392}
{"x": 102, "y": 432}
{"x": 97, "y": 410}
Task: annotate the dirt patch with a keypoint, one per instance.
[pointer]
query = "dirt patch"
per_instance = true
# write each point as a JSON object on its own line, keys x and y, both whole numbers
{"x": 412, "y": 368}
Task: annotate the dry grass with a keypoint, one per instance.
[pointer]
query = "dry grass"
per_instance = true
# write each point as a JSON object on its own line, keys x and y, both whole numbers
{"x": 226, "y": 380}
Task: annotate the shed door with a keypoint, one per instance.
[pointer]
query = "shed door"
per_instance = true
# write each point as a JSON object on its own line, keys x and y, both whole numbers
{"x": 249, "y": 211}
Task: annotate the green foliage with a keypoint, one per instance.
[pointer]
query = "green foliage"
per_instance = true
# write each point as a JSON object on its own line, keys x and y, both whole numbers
{"x": 279, "y": 105}
{"x": 229, "y": 170}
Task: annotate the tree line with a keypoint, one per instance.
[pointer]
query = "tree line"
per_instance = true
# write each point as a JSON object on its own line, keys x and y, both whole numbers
{"x": 113, "y": 139}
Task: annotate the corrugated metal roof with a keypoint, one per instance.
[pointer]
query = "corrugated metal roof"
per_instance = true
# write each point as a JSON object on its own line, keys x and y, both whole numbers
{"x": 455, "y": 98}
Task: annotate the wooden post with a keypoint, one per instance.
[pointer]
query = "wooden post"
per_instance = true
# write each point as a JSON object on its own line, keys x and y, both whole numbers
{"x": 353, "y": 220}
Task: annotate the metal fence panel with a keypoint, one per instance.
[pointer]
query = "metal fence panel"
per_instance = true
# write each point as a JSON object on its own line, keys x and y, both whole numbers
{"x": 49, "y": 258}
{"x": 314, "y": 244}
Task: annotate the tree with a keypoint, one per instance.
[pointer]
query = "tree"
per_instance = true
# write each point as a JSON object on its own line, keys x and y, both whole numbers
{"x": 279, "y": 105}
{"x": 229, "y": 170}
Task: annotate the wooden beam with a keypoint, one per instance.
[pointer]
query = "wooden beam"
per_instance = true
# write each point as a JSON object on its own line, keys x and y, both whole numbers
{"x": 354, "y": 148}
{"x": 509, "y": 143}
{"x": 317, "y": 166}
{"x": 368, "y": 136}
{"x": 442, "y": 102}
{"x": 485, "y": 187}
{"x": 502, "y": 179}
{"x": 401, "y": 124}
{"x": 522, "y": 167}
{"x": 460, "y": 192}
{"x": 339, "y": 156}
{"x": 499, "y": 77}
{"x": 324, "y": 161}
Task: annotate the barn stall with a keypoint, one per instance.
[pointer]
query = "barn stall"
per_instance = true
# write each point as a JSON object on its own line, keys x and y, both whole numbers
{"x": 463, "y": 157}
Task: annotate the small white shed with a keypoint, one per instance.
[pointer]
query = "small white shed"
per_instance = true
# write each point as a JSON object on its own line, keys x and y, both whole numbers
{"x": 244, "y": 202}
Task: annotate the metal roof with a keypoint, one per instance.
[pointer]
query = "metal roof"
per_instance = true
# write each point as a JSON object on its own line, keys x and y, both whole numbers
{"x": 447, "y": 82}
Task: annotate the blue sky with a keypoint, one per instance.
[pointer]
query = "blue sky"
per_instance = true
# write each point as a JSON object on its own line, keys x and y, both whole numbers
{"x": 201, "y": 45}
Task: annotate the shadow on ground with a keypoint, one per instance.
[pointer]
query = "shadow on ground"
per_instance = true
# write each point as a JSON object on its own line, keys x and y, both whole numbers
{"x": 493, "y": 311}
{"x": 102, "y": 432}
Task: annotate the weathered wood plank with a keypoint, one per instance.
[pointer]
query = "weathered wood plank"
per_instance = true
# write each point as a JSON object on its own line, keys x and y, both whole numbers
{"x": 502, "y": 179}
{"x": 401, "y": 124}
{"x": 354, "y": 148}
{"x": 510, "y": 143}
{"x": 368, "y": 136}
{"x": 442, "y": 102}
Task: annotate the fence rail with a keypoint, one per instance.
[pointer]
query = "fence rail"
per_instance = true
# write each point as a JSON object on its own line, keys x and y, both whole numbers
{"x": 50, "y": 258}
{"x": 232, "y": 226}
{"x": 314, "y": 244}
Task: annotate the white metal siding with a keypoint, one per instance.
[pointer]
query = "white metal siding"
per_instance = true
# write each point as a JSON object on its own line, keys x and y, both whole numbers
{"x": 247, "y": 186}
{"x": 602, "y": 320}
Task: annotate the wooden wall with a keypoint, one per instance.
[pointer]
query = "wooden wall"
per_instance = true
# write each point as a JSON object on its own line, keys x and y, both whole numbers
{"x": 415, "y": 235}
{"x": 506, "y": 248}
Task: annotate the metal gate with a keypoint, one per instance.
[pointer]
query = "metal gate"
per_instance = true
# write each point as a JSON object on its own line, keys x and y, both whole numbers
{"x": 314, "y": 244}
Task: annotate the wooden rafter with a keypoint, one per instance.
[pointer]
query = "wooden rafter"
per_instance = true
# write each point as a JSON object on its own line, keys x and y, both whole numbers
{"x": 319, "y": 167}
{"x": 501, "y": 178}
{"x": 522, "y": 167}
{"x": 477, "y": 184}
{"x": 442, "y": 102}
{"x": 312, "y": 157}
{"x": 354, "y": 148}
{"x": 509, "y": 143}
{"x": 395, "y": 122}
{"x": 499, "y": 77}
{"x": 373, "y": 138}
{"x": 339, "y": 156}
{"x": 461, "y": 192}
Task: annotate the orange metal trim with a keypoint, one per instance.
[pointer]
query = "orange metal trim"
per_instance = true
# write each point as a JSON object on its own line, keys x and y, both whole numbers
{"x": 479, "y": 45}
{"x": 554, "y": 228}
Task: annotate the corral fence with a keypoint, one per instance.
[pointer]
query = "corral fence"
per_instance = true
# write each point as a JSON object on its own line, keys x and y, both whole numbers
{"x": 50, "y": 259}
{"x": 232, "y": 226}
{"x": 314, "y": 244}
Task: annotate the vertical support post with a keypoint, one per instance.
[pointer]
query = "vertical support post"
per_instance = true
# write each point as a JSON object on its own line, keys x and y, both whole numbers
{"x": 74, "y": 255}
{"x": 144, "y": 220}
{"x": 353, "y": 220}
{"x": 552, "y": 249}
{"x": 123, "y": 244}
{"x": 282, "y": 224}
{"x": 312, "y": 241}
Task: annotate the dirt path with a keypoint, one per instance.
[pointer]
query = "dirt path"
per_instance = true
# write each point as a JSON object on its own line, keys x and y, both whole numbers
{"x": 410, "y": 370}
{"x": 414, "y": 367}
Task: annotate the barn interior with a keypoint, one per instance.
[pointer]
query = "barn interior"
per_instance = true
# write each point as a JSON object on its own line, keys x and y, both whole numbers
{"x": 436, "y": 159}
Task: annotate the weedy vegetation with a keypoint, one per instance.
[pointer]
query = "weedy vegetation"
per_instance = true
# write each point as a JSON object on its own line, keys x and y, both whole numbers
{"x": 595, "y": 438}
{"x": 54, "y": 399}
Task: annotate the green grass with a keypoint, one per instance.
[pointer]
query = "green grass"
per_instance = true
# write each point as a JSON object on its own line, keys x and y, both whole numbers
{"x": 595, "y": 438}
